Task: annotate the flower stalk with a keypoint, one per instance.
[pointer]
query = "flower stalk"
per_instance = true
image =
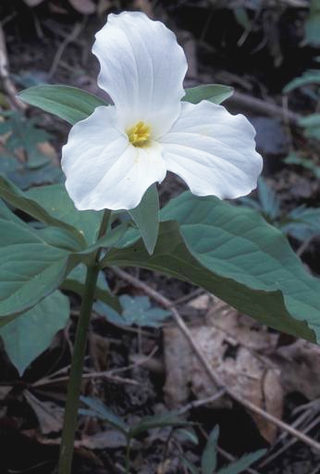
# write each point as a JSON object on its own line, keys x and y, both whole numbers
{"x": 74, "y": 385}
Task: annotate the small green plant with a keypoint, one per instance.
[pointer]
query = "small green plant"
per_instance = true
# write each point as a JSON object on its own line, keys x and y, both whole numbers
{"x": 96, "y": 409}
{"x": 312, "y": 24}
{"x": 21, "y": 158}
{"x": 310, "y": 123}
{"x": 135, "y": 310}
{"x": 306, "y": 163}
{"x": 302, "y": 223}
{"x": 209, "y": 459}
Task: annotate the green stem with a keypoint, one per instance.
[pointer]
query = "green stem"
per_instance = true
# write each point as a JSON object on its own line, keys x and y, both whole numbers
{"x": 74, "y": 385}
{"x": 127, "y": 458}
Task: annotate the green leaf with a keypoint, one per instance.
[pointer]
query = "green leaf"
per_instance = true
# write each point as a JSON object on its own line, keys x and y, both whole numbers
{"x": 146, "y": 217}
{"x": 10, "y": 193}
{"x": 215, "y": 93}
{"x": 302, "y": 223}
{"x": 308, "y": 77}
{"x": 269, "y": 200}
{"x": 311, "y": 121}
{"x": 156, "y": 421}
{"x": 189, "y": 465}
{"x": 183, "y": 435}
{"x": 98, "y": 410}
{"x": 26, "y": 337}
{"x": 135, "y": 310}
{"x": 75, "y": 283}
{"x": 30, "y": 268}
{"x": 209, "y": 455}
{"x": 312, "y": 25}
{"x": 57, "y": 203}
{"x": 68, "y": 103}
{"x": 243, "y": 463}
{"x": 242, "y": 17}
{"x": 233, "y": 253}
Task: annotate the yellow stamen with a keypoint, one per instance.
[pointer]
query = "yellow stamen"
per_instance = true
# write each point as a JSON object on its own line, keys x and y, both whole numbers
{"x": 139, "y": 134}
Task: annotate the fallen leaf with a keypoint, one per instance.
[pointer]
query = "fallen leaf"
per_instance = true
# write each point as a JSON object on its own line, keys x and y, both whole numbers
{"x": 299, "y": 363}
{"x": 4, "y": 391}
{"x": 235, "y": 348}
{"x": 50, "y": 415}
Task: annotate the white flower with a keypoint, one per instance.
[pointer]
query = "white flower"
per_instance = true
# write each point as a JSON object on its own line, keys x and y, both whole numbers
{"x": 113, "y": 156}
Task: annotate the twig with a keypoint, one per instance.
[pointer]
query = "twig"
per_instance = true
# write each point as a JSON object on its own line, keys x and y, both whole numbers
{"x": 202, "y": 359}
{"x": 257, "y": 106}
{"x": 90, "y": 375}
{"x": 8, "y": 86}
{"x": 203, "y": 401}
{"x": 69, "y": 39}
{"x": 305, "y": 244}
{"x": 288, "y": 445}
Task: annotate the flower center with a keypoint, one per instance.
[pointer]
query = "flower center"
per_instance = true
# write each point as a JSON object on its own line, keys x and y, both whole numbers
{"x": 139, "y": 134}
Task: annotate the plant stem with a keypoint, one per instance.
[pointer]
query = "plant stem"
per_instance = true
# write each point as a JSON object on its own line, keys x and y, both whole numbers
{"x": 127, "y": 458}
{"x": 74, "y": 385}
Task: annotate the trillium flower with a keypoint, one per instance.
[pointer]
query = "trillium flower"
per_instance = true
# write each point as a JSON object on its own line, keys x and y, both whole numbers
{"x": 113, "y": 156}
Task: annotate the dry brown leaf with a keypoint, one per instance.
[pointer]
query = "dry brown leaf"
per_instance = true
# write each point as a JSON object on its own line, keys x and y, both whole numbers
{"x": 86, "y": 7}
{"x": 47, "y": 149}
{"x": 50, "y": 415}
{"x": 235, "y": 352}
{"x": 4, "y": 391}
{"x": 299, "y": 363}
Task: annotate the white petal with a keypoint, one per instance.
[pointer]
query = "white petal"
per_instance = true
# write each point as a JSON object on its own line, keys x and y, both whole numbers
{"x": 142, "y": 69}
{"x": 213, "y": 151}
{"x": 103, "y": 169}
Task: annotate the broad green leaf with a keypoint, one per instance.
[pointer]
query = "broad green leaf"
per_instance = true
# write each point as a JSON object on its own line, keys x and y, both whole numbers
{"x": 75, "y": 283}
{"x": 243, "y": 463}
{"x": 135, "y": 310}
{"x": 209, "y": 455}
{"x": 146, "y": 217}
{"x": 68, "y": 103}
{"x": 11, "y": 194}
{"x": 60, "y": 238}
{"x": 233, "y": 253}
{"x": 215, "y": 93}
{"x": 7, "y": 214}
{"x": 26, "y": 337}
{"x": 57, "y": 203}
{"x": 99, "y": 410}
{"x": 30, "y": 268}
